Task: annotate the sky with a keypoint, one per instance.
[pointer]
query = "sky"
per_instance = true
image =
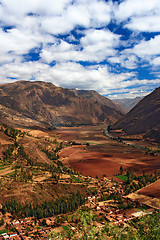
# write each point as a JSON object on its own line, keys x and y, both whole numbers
{"x": 112, "y": 46}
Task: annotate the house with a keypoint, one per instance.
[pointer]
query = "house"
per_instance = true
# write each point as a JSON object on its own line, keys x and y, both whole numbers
{"x": 5, "y": 236}
{"x": 138, "y": 214}
{"x": 15, "y": 237}
{"x": 150, "y": 210}
{"x": 24, "y": 237}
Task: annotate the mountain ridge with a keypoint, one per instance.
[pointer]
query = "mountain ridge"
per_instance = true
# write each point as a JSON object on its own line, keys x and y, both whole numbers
{"x": 144, "y": 118}
{"x": 50, "y": 105}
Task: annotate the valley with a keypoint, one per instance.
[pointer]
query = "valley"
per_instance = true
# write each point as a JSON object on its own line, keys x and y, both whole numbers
{"x": 79, "y": 120}
{"x": 105, "y": 155}
{"x": 73, "y": 165}
{"x": 41, "y": 171}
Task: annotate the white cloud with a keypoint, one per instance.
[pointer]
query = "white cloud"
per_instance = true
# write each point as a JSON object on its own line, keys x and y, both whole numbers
{"x": 141, "y": 15}
{"x": 21, "y": 8}
{"x": 156, "y": 61}
{"x": 56, "y": 17}
{"x": 126, "y": 90}
{"x": 97, "y": 46}
{"x": 66, "y": 74}
{"x": 146, "y": 48}
{"x": 93, "y": 37}
{"x": 60, "y": 51}
{"x": 16, "y": 41}
{"x": 50, "y": 19}
{"x": 128, "y": 61}
{"x": 74, "y": 75}
{"x": 145, "y": 23}
{"x": 80, "y": 13}
{"x": 130, "y": 8}
{"x": 124, "y": 93}
{"x": 38, "y": 24}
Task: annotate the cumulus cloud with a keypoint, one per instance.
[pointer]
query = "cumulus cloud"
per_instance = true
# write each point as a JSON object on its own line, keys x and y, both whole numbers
{"x": 56, "y": 17}
{"x": 156, "y": 61}
{"x": 16, "y": 41}
{"x": 76, "y": 44}
{"x": 145, "y": 24}
{"x": 66, "y": 74}
{"x": 95, "y": 37}
{"x": 130, "y": 92}
{"x": 130, "y": 8}
{"x": 146, "y": 50}
{"x": 96, "y": 45}
{"x": 141, "y": 15}
{"x": 128, "y": 61}
{"x": 151, "y": 47}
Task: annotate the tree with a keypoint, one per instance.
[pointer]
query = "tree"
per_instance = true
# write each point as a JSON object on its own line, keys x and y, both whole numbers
{"x": 2, "y": 222}
{"x": 109, "y": 128}
{"x": 44, "y": 222}
{"x": 121, "y": 170}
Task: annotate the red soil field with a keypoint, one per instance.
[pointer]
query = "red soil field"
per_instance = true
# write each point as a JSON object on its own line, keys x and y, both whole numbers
{"x": 85, "y": 161}
{"x": 103, "y": 156}
{"x": 97, "y": 166}
{"x": 152, "y": 190}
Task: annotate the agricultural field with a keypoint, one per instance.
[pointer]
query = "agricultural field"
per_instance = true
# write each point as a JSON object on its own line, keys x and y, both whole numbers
{"x": 152, "y": 190}
{"x": 48, "y": 176}
{"x": 103, "y": 155}
{"x": 29, "y": 169}
{"x": 122, "y": 177}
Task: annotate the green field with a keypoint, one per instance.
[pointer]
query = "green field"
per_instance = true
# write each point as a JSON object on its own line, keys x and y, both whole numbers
{"x": 66, "y": 228}
{"x": 3, "y": 231}
{"x": 122, "y": 177}
{"x": 76, "y": 179}
{"x": 2, "y": 168}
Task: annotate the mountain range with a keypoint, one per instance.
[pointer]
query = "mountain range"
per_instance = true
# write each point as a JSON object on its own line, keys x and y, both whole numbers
{"x": 33, "y": 103}
{"x": 128, "y": 103}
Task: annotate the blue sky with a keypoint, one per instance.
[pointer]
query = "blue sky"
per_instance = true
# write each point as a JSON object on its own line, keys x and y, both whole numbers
{"x": 112, "y": 47}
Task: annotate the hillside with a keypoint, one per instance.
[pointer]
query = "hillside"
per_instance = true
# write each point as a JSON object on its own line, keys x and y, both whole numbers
{"x": 35, "y": 103}
{"x": 97, "y": 98}
{"x": 144, "y": 118}
{"x": 43, "y": 189}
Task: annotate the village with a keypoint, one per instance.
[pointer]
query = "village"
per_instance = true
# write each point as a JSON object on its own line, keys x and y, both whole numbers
{"x": 105, "y": 211}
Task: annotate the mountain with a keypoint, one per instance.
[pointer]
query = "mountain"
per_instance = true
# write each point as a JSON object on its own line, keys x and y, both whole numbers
{"x": 97, "y": 98}
{"x": 128, "y": 103}
{"x": 27, "y": 103}
{"x": 144, "y": 118}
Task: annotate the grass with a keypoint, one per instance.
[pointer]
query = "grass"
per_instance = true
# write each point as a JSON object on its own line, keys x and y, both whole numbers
{"x": 78, "y": 180}
{"x": 27, "y": 228}
{"x": 12, "y": 174}
{"x": 122, "y": 177}
{"x": 2, "y": 168}
{"x": 39, "y": 227}
{"x": 144, "y": 207}
{"x": 66, "y": 228}
{"x": 3, "y": 231}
